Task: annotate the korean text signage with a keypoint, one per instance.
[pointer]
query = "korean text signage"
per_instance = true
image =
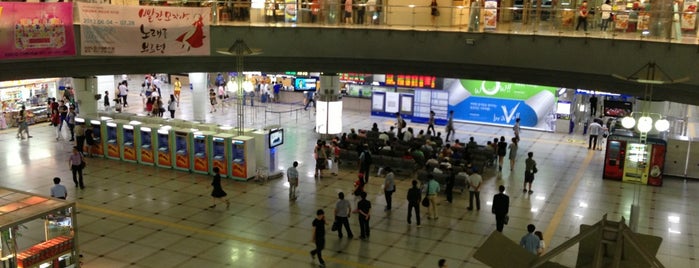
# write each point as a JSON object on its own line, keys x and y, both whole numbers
{"x": 501, "y": 102}
{"x": 33, "y": 30}
{"x": 109, "y": 30}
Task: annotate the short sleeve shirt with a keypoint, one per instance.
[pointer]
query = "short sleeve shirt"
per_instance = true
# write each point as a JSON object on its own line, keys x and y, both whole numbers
{"x": 474, "y": 180}
{"x": 364, "y": 205}
{"x": 59, "y": 191}
{"x": 292, "y": 174}
{"x": 390, "y": 182}
{"x": 342, "y": 208}
{"x": 320, "y": 228}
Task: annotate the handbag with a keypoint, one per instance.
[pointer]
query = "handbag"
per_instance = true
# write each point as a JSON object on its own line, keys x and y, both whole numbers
{"x": 425, "y": 201}
{"x": 506, "y": 219}
{"x": 335, "y": 227}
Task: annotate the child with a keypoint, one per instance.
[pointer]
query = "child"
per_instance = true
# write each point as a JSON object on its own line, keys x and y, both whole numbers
{"x": 3, "y": 122}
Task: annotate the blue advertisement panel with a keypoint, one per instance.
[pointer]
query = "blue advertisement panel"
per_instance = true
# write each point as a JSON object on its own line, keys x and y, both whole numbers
{"x": 501, "y": 103}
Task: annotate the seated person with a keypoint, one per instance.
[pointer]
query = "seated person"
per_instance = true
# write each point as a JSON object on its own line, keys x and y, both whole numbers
{"x": 353, "y": 134}
{"x": 438, "y": 139}
{"x": 432, "y": 162}
{"x": 408, "y": 135}
{"x": 446, "y": 151}
{"x": 418, "y": 155}
{"x": 471, "y": 144}
{"x": 384, "y": 137}
{"x": 375, "y": 127}
{"x": 361, "y": 134}
{"x": 457, "y": 145}
{"x": 427, "y": 149}
{"x": 421, "y": 134}
{"x": 343, "y": 141}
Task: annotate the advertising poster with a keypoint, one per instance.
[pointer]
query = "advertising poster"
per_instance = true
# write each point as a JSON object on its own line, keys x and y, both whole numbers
{"x": 621, "y": 21}
{"x": 491, "y": 15}
{"x": 643, "y": 21}
{"x": 290, "y": 10}
{"x": 109, "y": 30}
{"x": 688, "y": 17}
{"x": 501, "y": 103}
{"x": 36, "y": 30}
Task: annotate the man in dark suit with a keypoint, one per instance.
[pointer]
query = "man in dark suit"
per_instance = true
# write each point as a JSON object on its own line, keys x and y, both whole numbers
{"x": 501, "y": 205}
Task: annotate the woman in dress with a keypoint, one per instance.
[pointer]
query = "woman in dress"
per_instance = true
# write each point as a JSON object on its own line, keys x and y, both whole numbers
{"x": 513, "y": 153}
{"x": 217, "y": 192}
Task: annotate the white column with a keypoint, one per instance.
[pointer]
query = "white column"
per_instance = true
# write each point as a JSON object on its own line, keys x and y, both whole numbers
{"x": 328, "y": 105}
{"x": 85, "y": 90}
{"x": 200, "y": 95}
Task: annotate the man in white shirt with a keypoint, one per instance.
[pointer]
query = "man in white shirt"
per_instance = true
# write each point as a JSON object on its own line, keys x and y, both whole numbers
{"x": 594, "y": 131}
{"x": 474, "y": 189}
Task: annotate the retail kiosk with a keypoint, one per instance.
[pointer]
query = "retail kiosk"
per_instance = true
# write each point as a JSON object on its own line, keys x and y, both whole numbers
{"x": 182, "y": 145}
{"x": 164, "y": 145}
{"x": 243, "y": 163}
{"x": 220, "y": 153}
{"x": 145, "y": 144}
{"x": 127, "y": 146}
{"x": 37, "y": 231}
{"x": 201, "y": 141}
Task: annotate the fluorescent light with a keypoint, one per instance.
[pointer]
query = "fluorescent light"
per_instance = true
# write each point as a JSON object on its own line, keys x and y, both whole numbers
{"x": 582, "y": 205}
{"x": 670, "y": 230}
{"x": 673, "y": 219}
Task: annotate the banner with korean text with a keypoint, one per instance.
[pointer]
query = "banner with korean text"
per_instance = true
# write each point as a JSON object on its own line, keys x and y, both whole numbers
{"x": 36, "y": 30}
{"x": 108, "y": 30}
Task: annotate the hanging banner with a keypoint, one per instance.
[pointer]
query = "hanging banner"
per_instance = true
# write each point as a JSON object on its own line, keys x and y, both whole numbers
{"x": 491, "y": 15}
{"x": 109, "y": 30}
{"x": 689, "y": 14}
{"x": 36, "y": 30}
{"x": 501, "y": 103}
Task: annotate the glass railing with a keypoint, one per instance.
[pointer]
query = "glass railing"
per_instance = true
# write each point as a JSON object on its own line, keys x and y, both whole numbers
{"x": 628, "y": 24}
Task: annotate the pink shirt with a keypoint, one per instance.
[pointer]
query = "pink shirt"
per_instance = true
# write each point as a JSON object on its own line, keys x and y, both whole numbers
{"x": 348, "y": 6}
{"x": 75, "y": 159}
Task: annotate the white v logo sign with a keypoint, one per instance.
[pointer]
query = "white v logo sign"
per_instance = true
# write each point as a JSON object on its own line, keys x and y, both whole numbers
{"x": 510, "y": 115}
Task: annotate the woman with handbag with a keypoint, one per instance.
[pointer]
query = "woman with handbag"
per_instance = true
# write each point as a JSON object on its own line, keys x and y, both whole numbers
{"x": 76, "y": 163}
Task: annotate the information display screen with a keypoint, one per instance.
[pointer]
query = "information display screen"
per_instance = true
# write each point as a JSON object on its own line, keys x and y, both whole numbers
{"x": 617, "y": 108}
{"x": 276, "y": 138}
{"x": 305, "y": 83}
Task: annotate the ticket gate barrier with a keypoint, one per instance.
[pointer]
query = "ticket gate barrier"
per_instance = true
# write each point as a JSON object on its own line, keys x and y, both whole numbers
{"x": 164, "y": 145}
{"x": 94, "y": 129}
{"x": 114, "y": 137}
{"x": 182, "y": 145}
{"x": 243, "y": 163}
{"x": 128, "y": 142}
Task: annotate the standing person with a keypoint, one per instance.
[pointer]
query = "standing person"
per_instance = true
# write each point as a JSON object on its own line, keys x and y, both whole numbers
{"x": 594, "y": 131}
{"x": 212, "y": 100}
{"x": 606, "y": 9}
{"x": 106, "y": 101}
{"x": 80, "y": 136}
{"x": 442, "y": 263}
{"x": 582, "y": 16}
{"x": 474, "y": 189}
{"x": 501, "y": 206}
{"x": 365, "y": 161}
{"x": 434, "y": 12}
{"x": 430, "y": 123}
{"x": 513, "y": 152}
{"x": 363, "y": 208}
{"x": 361, "y": 10}
{"x": 91, "y": 141}
{"x": 172, "y": 105}
{"x": 76, "y": 162}
{"x": 502, "y": 152}
{"x": 348, "y": 11}
{"x": 389, "y": 187}
{"x": 321, "y": 158}
{"x": 529, "y": 171}
{"x": 530, "y": 241}
{"x": 70, "y": 119}
{"x": 343, "y": 209}
{"x": 319, "y": 236}
{"x": 450, "y": 126}
{"x": 22, "y": 125}
{"x": 605, "y": 133}
{"x": 123, "y": 93}
{"x": 58, "y": 191}
{"x": 292, "y": 176}
{"x": 400, "y": 124}
{"x": 593, "y": 103}
{"x": 310, "y": 97}
{"x": 217, "y": 192}
{"x": 516, "y": 128}
{"x": 542, "y": 244}
{"x": 63, "y": 113}
{"x": 449, "y": 191}
{"x": 432, "y": 190}
{"x": 178, "y": 90}
{"x": 336, "y": 158}
{"x": 414, "y": 197}
{"x": 160, "y": 105}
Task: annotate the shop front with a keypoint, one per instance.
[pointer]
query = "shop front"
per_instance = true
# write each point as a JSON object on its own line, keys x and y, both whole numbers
{"x": 32, "y": 94}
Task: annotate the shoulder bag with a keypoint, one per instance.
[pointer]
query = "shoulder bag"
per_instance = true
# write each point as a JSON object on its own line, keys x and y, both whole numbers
{"x": 425, "y": 201}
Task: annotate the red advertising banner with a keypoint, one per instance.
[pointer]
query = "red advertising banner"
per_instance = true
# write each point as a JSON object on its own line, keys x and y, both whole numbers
{"x": 36, "y": 30}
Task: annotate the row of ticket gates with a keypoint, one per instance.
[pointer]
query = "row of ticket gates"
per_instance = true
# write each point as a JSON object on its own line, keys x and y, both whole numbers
{"x": 183, "y": 145}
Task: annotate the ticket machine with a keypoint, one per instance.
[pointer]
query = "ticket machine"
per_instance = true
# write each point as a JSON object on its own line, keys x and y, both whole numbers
{"x": 202, "y": 151}
{"x": 114, "y": 138}
{"x": 164, "y": 147}
{"x": 243, "y": 165}
{"x": 627, "y": 159}
{"x": 220, "y": 153}
{"x": 128, "y": 142}
{"x": 182, "y": 145}
{"x": 146, "y": 143}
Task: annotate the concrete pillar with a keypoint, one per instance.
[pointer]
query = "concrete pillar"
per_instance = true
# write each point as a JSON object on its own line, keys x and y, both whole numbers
{"x": 85, "y": 90}
{"x": 329, "y": 105}
{"x": 200, "y": 95}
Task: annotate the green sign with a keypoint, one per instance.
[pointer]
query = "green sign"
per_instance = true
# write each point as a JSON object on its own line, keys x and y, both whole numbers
{"x": 503, "y": 90}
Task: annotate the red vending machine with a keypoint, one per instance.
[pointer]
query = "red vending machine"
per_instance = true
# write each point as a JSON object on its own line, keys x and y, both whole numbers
{"x": 627, "y": 159}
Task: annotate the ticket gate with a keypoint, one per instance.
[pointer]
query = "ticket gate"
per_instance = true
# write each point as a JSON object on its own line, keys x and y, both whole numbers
{"x": 202, "y": 151}
{"x": 220, "y": 153}
{"x": 182, "y": 145}
{"x": 145, "y": 144}
{"x": 243, "y": 163}
{"x": 164, "y": 145}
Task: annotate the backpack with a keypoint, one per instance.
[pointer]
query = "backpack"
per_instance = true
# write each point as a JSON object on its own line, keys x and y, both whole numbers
{"x": 403, "y": 123}
{"x": 367, "y": 158}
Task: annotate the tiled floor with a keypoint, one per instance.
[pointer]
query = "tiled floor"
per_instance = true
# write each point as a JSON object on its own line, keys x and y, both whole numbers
{"x": 138, "y": 216}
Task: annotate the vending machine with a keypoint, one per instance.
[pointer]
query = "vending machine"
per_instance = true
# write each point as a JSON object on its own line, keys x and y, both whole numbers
{"x": 97, "y": 135}
{"x": 128, "y": 143}
{"x": 182, "y": 145}
{"x": 145, "y": 144}
{"x": 202, "y": 151}
{"x": 164, "y": 145}
{"x": 629, "y": 160}
{"x": 220, "y": 155}
{"x": 243, "y": 163}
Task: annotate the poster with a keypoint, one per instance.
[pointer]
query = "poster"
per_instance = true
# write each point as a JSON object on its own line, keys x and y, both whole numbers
{"x": 36, "y": 30}
{"x": 621, "y": 21}
{"x": 109, "y": 30}
{"x": 501, "y": 102}
{"x": 491, "y": 15}
{"x": 643, "y": 21}
{"x": 688, "y": 17}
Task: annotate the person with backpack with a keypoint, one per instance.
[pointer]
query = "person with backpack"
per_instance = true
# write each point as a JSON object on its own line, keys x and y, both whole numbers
{"x": 365, "y": 162}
